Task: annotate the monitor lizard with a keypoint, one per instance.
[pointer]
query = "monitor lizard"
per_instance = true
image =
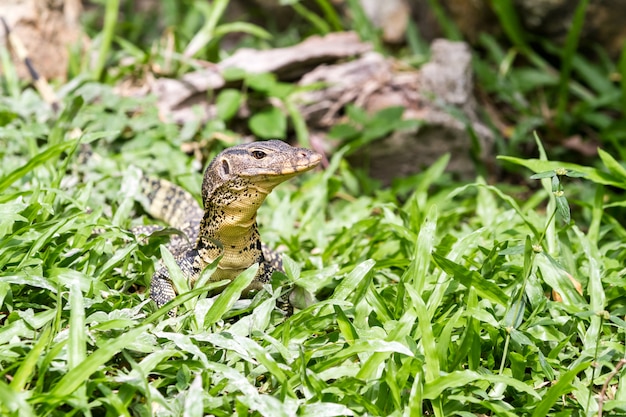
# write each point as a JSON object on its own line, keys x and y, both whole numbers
{"x": 235, "y": 184}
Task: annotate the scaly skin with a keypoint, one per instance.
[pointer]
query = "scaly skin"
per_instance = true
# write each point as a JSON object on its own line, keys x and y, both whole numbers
{"x": 235, "y": 184}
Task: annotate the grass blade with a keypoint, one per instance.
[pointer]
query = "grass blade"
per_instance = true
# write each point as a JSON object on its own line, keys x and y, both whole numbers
{"x": 108, "y": 32}
{"x": 77, "y": 347}
{"x": 49, "y": 154}
{"x": 231, "y": 294}
{"x": 330, "y": 14}
{"x": 622, "y": 72}
{"x": 354, "y": 278}
{"x": 562, "y": 387}
{"x": 12, "y": 403}
{"x": 212, "y": 15}
{"x": 363, "y": 24}
{"x": 27, "y": 368}
{"x": 418, "y": 270}
{"x": 78, "y": 375}
{"x": 571, "y": 43}
{"x": 472, "y": 279}
{"x": 459, "y": 379}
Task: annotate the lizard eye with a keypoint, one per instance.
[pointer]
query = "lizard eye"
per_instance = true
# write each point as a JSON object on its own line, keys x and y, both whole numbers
{"x": 259, "y": 154}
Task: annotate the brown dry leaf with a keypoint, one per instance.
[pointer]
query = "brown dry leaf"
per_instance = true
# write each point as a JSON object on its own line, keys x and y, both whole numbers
{"x": 579, "y": 288}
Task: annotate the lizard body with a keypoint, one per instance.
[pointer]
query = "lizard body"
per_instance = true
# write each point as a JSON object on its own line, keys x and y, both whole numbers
{"x": 235, "y": 184}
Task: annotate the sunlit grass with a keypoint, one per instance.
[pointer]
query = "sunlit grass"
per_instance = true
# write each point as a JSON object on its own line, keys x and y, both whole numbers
{"x": 439, "y": 304}
{"x": 431, "y": 297}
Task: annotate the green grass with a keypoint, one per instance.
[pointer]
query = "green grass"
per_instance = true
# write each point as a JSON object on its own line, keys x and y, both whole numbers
{"x": 434, "y": 305}
{"x": 431, "y": 297}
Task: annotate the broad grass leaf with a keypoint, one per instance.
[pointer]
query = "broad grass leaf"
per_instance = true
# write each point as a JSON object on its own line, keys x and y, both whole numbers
{"x": 325, "y": 409}
{"x": 508, "y": 17}
{"x": 261, "y": 354}
{"x": 13, "y": 402}
{"x": 345, "y": 326}
{"x": 414, "y": 407}
{"x": 378, "y": 346}
{"x": 593, "y": 75}
{"x": 545, "y": 366}
{"x": 443, "y": 282}
{"x": 378, "y": 303}
{"x": 9, "y": 214}
{"x": 227, "y": 103}
{"x": 266, "y": 405}
{"x": 204, "y": 280}
{"x": 243, "y": 27}
{"x": 54, "y": 227}
{"x": 20, "y": 328}
{"x": 185, "y": 343}
{"x": 62, "y": 125}
{"x": 114, "y": 400}
{"x": 562, "y": 387}
{"x": 398, "y": 333}
{"x": 212, "y": 14}
{"x": 445, "y": 341}
{"x": 471, "y": 279}
{"x": 25, "y": 278}
{"x": 460, "y": 379}
{"x": 119, "y": 256}
{"x": 177, "y": 301}
{"x": 262, "y": 82}
{"x": 508, "y": 199}
{"x": 114, "y": 324}
{"x": 270, "y": 123}
{"x": 418, "y": 270}
{"x": 194, "y": 406}
{"x": 78, "y": 375}
{"x": 231, "y": 293}
{"x": 154, "y": 359}
{"x": 314, "y": 318}
{"x": 292, "y": 268}
{"x": 540, "y": 175}
{"x": 529, "y": 79}
{"x": 176, "y": 276}
{"x": 29, "y": 364}
{"x": 595, "y": 289}
{"x": 77, "y": 344}
{"x": 227, "y": 341}
{"x": 592, "y": 174}
{"x": 429, "y": 346}
{"x": 258, "y": 321}
{"x": 557, "y": 278}
{"x": 567, "y": 56}
{"x": 354, "y": 280}
{"x": 51, "y": 153}
{"x": 613, "y": 166}
{"x": 562, "y": 207}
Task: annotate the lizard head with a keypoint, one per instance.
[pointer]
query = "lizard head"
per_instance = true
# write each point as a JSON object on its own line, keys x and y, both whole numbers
{"x": 259, "y": 165}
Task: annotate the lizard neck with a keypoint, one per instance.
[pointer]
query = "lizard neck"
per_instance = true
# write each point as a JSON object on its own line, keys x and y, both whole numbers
{"x": 230, "y": 219}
